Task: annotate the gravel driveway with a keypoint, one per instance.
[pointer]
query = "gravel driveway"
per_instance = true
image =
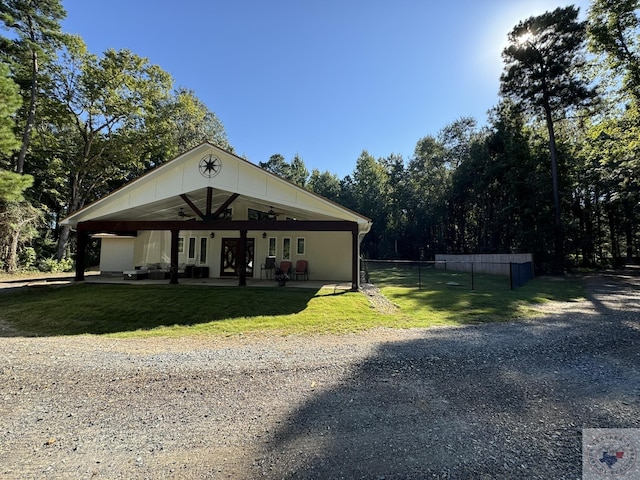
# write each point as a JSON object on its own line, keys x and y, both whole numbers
{"x": 493, "y": 401}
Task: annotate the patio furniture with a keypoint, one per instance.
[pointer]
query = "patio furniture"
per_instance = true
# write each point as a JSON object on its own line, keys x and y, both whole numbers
{"x": 138, "y": 274}
{"x": 269, "y": 267}
{"x": 159, "y": 274}
{"x": 200, "y": 272}
{"x": 302, "y": 270}
{"x": 285, "y": 267}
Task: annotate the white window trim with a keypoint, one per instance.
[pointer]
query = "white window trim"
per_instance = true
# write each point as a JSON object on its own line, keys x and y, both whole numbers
{"x": 283, "y": 249}
{"x": 206, "y": 253}
{"x": 195, "y": 248}
{"x": 275, "y": 246}
{"x": 304, "y": 245}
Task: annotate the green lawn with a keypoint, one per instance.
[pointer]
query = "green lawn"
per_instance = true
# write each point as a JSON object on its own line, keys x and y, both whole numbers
{"x": 174, "y": 310}
{"x": 446, "y": 297}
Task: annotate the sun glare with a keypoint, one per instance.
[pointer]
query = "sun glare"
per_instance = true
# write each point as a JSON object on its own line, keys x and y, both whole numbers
{"x": 524, "y": 38}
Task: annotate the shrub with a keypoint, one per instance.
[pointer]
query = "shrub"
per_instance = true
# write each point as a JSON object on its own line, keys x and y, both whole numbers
{"x": 55, "y": 266}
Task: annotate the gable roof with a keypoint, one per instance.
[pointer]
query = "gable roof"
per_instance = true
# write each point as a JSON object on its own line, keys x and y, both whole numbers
{"x": 157, "y": 194}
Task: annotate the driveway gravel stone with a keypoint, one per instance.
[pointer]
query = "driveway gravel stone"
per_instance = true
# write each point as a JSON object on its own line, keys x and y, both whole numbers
{"x": 491, "y": 401}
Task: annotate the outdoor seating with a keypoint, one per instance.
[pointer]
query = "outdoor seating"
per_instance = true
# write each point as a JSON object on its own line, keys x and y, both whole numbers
{"x": 285, "y": 267}
{"x": 302, "y": 270}
{"x": 137, "y": 274}
{"x": 269, "y": 267}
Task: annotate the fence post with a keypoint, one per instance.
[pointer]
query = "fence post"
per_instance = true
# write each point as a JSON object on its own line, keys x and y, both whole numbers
{"x": 472, "y": 276}
{"x": 510, "y": 275}
{"x": 419, "y": 276}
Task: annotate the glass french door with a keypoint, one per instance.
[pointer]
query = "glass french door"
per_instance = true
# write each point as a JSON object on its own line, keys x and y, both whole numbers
{"x": 229, "y": 259}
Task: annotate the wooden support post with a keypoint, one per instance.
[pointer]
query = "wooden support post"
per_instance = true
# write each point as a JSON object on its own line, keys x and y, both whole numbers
{"x": 173, "y": 270}
{"x": 242, "y": 262}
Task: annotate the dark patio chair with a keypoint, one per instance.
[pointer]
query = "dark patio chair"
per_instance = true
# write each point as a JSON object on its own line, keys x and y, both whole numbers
{"x": 269, "y": 267}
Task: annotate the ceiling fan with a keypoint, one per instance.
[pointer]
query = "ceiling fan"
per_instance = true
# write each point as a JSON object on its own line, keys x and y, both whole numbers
{"x": 183, "y": 214}
{"x": 273, "y": 214}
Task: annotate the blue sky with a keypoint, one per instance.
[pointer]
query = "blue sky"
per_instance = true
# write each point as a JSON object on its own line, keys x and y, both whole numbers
{"x": 322, "y": 79}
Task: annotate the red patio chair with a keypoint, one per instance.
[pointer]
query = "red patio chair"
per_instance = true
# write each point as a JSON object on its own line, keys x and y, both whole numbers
{"x": 285, "y": 267}
{"x": 302, "y": 269}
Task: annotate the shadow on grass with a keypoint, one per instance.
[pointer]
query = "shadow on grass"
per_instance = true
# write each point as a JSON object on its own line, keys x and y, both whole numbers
{"x": 496, "y": 401}
{"x": 103, "y": 309}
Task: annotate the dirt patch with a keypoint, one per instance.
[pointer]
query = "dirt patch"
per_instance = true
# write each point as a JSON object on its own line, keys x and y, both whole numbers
{"x": 377, "y": 300}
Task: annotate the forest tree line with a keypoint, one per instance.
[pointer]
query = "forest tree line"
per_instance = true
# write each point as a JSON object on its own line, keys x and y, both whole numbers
{"x": 553, "y": 170}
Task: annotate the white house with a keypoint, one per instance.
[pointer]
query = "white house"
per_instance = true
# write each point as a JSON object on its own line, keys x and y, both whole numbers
{"x": 207, "y": 210}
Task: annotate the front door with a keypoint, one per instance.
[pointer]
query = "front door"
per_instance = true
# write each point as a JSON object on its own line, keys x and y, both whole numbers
{"x": 229, "y": 260}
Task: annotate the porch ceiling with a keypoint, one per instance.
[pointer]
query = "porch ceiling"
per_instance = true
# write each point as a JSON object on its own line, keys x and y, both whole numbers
{"x": 168, "y": 209}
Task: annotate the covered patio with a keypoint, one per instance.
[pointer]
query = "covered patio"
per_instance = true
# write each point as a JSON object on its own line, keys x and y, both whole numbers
{"x": 211, "y": 210}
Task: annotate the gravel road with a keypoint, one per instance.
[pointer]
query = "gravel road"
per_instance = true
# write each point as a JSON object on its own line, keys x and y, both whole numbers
{"x": 494, "y": 401}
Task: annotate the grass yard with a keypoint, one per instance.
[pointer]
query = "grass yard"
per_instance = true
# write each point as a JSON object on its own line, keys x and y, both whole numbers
{"x": 447, "y": 297}
{"x": 174, "y": 310}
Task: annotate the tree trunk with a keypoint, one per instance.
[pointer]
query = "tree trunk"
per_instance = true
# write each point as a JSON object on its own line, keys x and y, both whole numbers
{"x": 26, "y": 135}
{"x": 75, "y": 204}
{"x": 558, "y": 234}
{"x": 12, "y": 254}
{"x": 63, "y": 241}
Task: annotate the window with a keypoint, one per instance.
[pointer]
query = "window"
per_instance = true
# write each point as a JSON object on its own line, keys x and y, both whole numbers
{"x": 181, "y": 245}
{"x": 286, "y": 249}
{"x": 203, "y": 250}
{"x": 192, "y": 248}
{"x": 272, "y": 247}
{"x": 300, "y": 246}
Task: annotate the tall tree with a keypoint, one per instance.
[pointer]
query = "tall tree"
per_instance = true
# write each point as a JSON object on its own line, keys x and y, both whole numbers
{"x": 15, "y": 214}
{"x": 370, "y": 189}
{"x": 38, "y": 35}
{"x": 105, "y": 103}
{"x": 428, "y": 184}
{"x": 295, "y": 172}
{"x": 298, "y": 172}
{"x": 276, "y": 165}
{"x": 543, "y": 63}
{"x": 182, "y": 121}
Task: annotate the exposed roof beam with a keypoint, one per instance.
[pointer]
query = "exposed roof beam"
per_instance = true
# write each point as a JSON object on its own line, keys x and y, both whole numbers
{"x": 209, "y": 201}
{"x": 192, "y": 205}
{"x": 224, "y": 206}
{"x": 96, "y": 226}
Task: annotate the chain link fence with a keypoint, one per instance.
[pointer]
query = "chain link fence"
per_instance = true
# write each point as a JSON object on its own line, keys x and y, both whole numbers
{"x": 481, "y": 276}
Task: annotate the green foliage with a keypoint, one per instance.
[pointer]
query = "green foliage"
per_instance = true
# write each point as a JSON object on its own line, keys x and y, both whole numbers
{"x": 543, "y": 62}
{"x": 326, "y": 184}
{"x": 179, "y": 122}
{"x": 10, "y": 100}
{"x": 28, "y": 258}
{"x": 613, "y": 30}
{"x": 296, "y": 171}
{"x": 37, "y": 35}
{"x": 19, "y": 223}
{"x": 13, "y": 185}
{"x": 51, "y": 265}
